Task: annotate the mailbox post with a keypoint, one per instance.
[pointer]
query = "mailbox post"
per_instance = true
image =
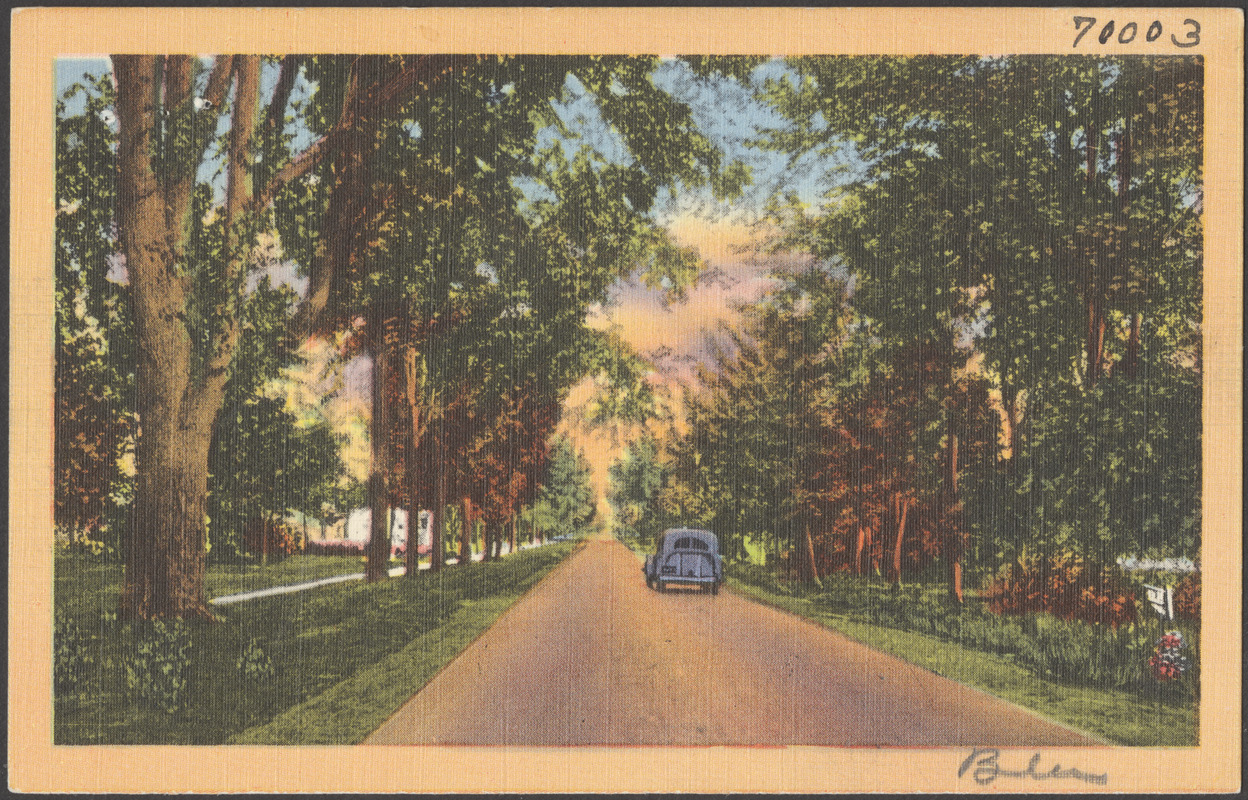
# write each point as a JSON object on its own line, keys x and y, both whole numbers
{"x": 1161, "y": 598}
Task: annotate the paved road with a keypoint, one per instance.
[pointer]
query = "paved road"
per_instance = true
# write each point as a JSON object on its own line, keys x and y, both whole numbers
{"x": 593, "y": 657}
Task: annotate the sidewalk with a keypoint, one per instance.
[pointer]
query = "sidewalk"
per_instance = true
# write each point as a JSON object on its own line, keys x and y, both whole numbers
{"x": 256, "y": 594}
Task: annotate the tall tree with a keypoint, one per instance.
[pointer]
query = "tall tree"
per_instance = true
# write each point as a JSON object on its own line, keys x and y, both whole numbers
{"x": 186, "y": 310}
{"x": 636, "y": 479}
{"x": 566, "y": 501}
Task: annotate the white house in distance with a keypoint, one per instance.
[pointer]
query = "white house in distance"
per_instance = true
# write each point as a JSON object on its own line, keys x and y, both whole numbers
{"x": 360, "y": 519}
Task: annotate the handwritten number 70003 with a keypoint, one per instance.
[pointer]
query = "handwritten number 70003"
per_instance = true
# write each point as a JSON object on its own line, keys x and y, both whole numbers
{"x": 1128, "y": 32}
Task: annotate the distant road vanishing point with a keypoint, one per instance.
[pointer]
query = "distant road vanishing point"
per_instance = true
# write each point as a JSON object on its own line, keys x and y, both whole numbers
{"x": 592, "y": 657}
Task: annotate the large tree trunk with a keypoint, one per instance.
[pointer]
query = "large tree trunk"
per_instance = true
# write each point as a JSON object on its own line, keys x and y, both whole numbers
{"x": 165, "y": 553}
{"x": 902, "y": 504}
{"x": 487, "y": 541}
{"x": 465, "y": 532}
{"x": 511, "y": 535}
{"x": 166, "y": 544}
{"x": 807, "y": 572}
{"x": 955, "y": 536}
{"x": 414, "y": 432}
{"x": 157, "y": 112}
{"x": 437, "y": 551}
{"x": 380, "y": 468}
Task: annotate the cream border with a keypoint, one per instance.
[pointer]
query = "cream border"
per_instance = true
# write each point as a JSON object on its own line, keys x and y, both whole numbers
{"x": 40, "y": 35}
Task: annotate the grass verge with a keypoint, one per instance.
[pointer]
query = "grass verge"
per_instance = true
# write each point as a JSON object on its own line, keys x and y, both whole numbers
{"x": 89, "y": 585}
{"x": 1117, "y": 716}
{"x": 364, "y": 644}
{"x": 352, "y": 709}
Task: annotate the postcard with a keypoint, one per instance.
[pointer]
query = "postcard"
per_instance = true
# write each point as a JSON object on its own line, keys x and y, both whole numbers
{"x": 626, "y": 400}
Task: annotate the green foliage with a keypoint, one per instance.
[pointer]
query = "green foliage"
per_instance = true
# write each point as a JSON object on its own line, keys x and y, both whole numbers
{"x": 634, "y": 493}
{"x": 565, "y": 504}
{"x": 1022, "y": 239}
{"x": 1085, "y": 654}
{"x": 316, "y": 641}
{"x": 72, "y": 656}
{"x": 254, "y": 665}
{"x": 750, "y": 464}
{"x": 1113, "y": 470}
{"x": 265, "y": 460}
{"x": 1070, "y": 651}
{"x": 94, "y": 382}
{"x": 157, "y": 658}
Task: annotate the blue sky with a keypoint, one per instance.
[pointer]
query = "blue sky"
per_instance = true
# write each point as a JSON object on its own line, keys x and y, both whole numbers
{"x": 725, "y": 111}
{"x": 71, "y": 70}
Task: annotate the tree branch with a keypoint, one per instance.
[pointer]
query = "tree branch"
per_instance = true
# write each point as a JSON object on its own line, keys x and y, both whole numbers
{"x": 357, "y": 107}
{"x": 364, "y": 108}
{"x": 178, "y": 81}
{"x": 183, "y": 165}
{"x": 238, "y": 221}
{"x": 275, "y": 120}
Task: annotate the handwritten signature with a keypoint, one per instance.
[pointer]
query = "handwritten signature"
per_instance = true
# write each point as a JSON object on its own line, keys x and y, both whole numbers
{"x": 987, "y": 770}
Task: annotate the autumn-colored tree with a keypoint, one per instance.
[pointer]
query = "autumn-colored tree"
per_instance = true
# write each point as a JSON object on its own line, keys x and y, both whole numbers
{"x": 1037, "y": 213}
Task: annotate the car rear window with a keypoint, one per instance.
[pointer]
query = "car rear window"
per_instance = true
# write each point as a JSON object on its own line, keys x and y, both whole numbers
{"x": 690, "y": 543}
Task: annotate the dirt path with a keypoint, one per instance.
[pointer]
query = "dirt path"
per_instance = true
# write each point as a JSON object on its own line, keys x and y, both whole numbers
{"x": 593, "y": 657}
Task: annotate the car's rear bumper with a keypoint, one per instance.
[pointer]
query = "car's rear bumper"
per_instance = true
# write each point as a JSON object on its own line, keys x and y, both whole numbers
{"x": 687, "y": 579}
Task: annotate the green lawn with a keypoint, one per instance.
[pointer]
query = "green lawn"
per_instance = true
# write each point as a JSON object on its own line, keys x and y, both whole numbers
{"x": 343, "y": 656}
{"x": 86, "y": 584}
{"x": 231, "y": 579}
{"x": 1116, "y": 716}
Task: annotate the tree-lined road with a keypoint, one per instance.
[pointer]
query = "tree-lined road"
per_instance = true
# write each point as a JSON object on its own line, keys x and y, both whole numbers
{"x": 593, "y": 657}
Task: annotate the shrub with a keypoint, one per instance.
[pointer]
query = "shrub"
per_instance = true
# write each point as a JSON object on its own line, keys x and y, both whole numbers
{"x": 157, "y": 663}
{"x": 1187, "y": 598}
{"x": 94, "y": 548}
{"x": 254, "y": 665}
{"x": 1167, "y": 662}
{"x": 1065, "y": 586}
{"x": 72, "y": 657}
{"x": 1082, "y": 653}
{"x": 269, "y": 537}
{"x": 1064, "y": 649}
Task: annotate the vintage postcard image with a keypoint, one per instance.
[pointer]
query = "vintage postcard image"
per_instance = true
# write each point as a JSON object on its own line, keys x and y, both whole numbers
{"x": 626, "y": 400}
